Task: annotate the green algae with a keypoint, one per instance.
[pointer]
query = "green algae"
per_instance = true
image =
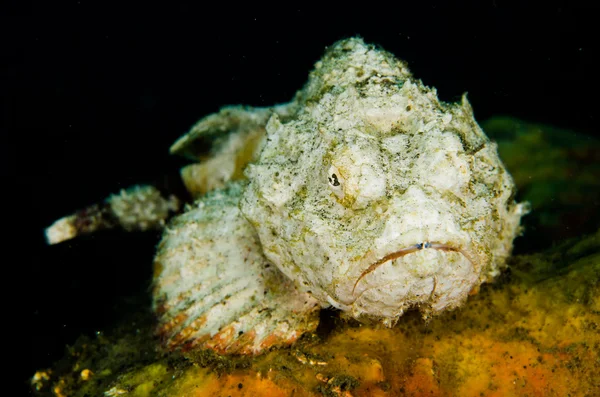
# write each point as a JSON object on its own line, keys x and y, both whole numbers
{"x": 534, "y": 331}
{"x": 557, "y": 171}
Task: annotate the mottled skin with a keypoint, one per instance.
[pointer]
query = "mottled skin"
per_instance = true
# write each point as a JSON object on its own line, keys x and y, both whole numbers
{"x": 373, "y": 166}
{"x": 365, "y": 193}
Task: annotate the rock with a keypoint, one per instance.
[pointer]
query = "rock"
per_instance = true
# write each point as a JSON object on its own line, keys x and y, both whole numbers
{"x": 535, "y": 331}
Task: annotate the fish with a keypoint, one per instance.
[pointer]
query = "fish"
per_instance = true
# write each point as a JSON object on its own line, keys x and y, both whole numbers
{"x": 364, "y": 193}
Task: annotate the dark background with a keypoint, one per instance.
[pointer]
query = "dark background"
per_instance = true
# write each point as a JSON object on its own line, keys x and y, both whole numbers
{"x": 93, "y": 95}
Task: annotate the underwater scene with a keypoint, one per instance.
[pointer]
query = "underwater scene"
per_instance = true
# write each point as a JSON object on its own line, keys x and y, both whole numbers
{"x": 367, "y": 210}
{"x": 532, "y": 331}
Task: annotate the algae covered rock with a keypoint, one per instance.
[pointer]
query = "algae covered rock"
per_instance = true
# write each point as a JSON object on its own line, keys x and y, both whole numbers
{"x": 557, "y": 172}
{"x": 534, "y": 332}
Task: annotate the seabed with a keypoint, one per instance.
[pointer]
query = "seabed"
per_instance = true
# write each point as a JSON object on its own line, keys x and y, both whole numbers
{"x": 533, "y": 332}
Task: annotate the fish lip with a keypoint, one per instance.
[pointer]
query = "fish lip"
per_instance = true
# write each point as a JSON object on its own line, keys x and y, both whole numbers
{"x": 409, "y": 250}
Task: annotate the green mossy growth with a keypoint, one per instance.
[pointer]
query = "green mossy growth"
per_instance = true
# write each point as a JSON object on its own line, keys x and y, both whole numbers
{"x": 534, "y": 331}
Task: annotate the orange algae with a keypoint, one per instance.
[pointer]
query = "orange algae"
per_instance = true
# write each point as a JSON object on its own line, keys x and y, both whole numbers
{"x": 236, "y": 384}
{"x": 533, "y": 333}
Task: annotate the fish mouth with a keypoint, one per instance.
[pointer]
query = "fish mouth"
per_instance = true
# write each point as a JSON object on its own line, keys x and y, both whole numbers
{"x": 409, "y": 250}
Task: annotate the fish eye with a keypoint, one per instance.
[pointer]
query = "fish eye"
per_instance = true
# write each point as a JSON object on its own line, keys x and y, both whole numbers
{"x": 333, "y": 179}
{"x": 336, "y": 181}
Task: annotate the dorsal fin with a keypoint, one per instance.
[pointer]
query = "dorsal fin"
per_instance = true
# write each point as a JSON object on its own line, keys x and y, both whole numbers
{"x": 222, "y": 144}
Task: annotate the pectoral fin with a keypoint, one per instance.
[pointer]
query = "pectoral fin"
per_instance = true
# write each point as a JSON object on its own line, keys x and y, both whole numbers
{"x": 137, "y": 208}
{"x": 213, "y": 287}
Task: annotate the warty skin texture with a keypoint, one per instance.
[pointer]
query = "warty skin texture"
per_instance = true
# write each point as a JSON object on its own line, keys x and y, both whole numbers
{"x": 365, "y": 193}
{"x": 371, "y": 166}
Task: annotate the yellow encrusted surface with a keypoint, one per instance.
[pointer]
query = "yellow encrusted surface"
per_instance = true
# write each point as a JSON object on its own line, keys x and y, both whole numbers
{"x": 535, "y": 332}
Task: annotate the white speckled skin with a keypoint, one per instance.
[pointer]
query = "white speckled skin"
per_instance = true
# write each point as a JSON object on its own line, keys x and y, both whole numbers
{"x": 371, "y": 164}
{"x": 366, "y": 192}
{"x": 216, "y": 289}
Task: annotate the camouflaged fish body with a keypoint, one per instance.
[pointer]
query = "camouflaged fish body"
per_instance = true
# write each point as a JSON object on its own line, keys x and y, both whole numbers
{"x": 365, "y": 193}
